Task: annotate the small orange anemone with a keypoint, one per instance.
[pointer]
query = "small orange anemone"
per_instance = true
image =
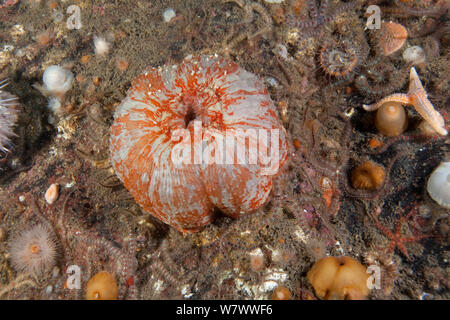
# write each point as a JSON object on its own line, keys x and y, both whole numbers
{"x": 368, "y": 176}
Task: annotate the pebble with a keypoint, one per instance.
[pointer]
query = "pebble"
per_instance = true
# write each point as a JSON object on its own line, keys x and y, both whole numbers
{"x": 414, "y": 55}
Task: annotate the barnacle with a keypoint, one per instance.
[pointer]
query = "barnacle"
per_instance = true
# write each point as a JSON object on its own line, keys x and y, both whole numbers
{"x": 281, "y": 293}
{"x": 414, "y": 55}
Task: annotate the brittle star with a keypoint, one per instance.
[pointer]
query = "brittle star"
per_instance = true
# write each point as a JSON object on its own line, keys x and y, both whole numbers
{"x": 397, "y": 240}
{"x": 320, "y": 15}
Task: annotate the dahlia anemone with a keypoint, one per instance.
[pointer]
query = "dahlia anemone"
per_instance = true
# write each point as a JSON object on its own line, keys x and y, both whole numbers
{"x": 34, "y": 250}
{"x": 9, "y": 114}
{"x": 225, "y": 109}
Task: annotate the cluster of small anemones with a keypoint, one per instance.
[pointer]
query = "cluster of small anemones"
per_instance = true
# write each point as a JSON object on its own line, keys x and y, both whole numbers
{"x": 9, "y": 114}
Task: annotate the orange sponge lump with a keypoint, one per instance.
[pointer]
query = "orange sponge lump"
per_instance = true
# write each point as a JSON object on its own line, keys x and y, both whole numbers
{"x": 339, "y": 278}
{"x": 281, "y": 293}
{"x": 102, "y": 286}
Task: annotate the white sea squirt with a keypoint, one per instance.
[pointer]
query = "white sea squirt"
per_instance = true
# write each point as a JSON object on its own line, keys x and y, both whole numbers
{"x": 57, "y": 80}
{"x": 438, "y": 185}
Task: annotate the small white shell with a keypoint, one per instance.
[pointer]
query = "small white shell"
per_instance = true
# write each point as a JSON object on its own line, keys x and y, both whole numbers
{"x": 438, "y": 186}
{"x": 52, "y": 193}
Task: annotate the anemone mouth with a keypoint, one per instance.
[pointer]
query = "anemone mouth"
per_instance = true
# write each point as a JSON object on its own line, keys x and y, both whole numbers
{"x": 190, "y": 115}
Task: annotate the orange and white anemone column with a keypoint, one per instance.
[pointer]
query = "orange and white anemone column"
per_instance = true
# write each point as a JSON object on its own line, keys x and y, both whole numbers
{"x": 197, "y": 136}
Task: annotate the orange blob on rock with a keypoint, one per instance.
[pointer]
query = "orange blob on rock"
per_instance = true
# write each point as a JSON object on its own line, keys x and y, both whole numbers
{"x": 339, "y": 278}
{"x": 281, "y": 293}
{"x": 102, "y": 286}
{"x": 192, "y": 137}
{"x": 375, "y": 143}
{"x": 393, "y": 37}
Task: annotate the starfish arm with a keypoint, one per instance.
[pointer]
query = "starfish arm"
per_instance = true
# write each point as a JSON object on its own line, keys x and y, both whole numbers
{"x": 403, "y": 249}
{"x": 415, "y": 85}
{"x": 397, "y": 97}
{"x": 391, "y": 247}
{"x": 415, "y": 239}
{"x": 424, "y": 107}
